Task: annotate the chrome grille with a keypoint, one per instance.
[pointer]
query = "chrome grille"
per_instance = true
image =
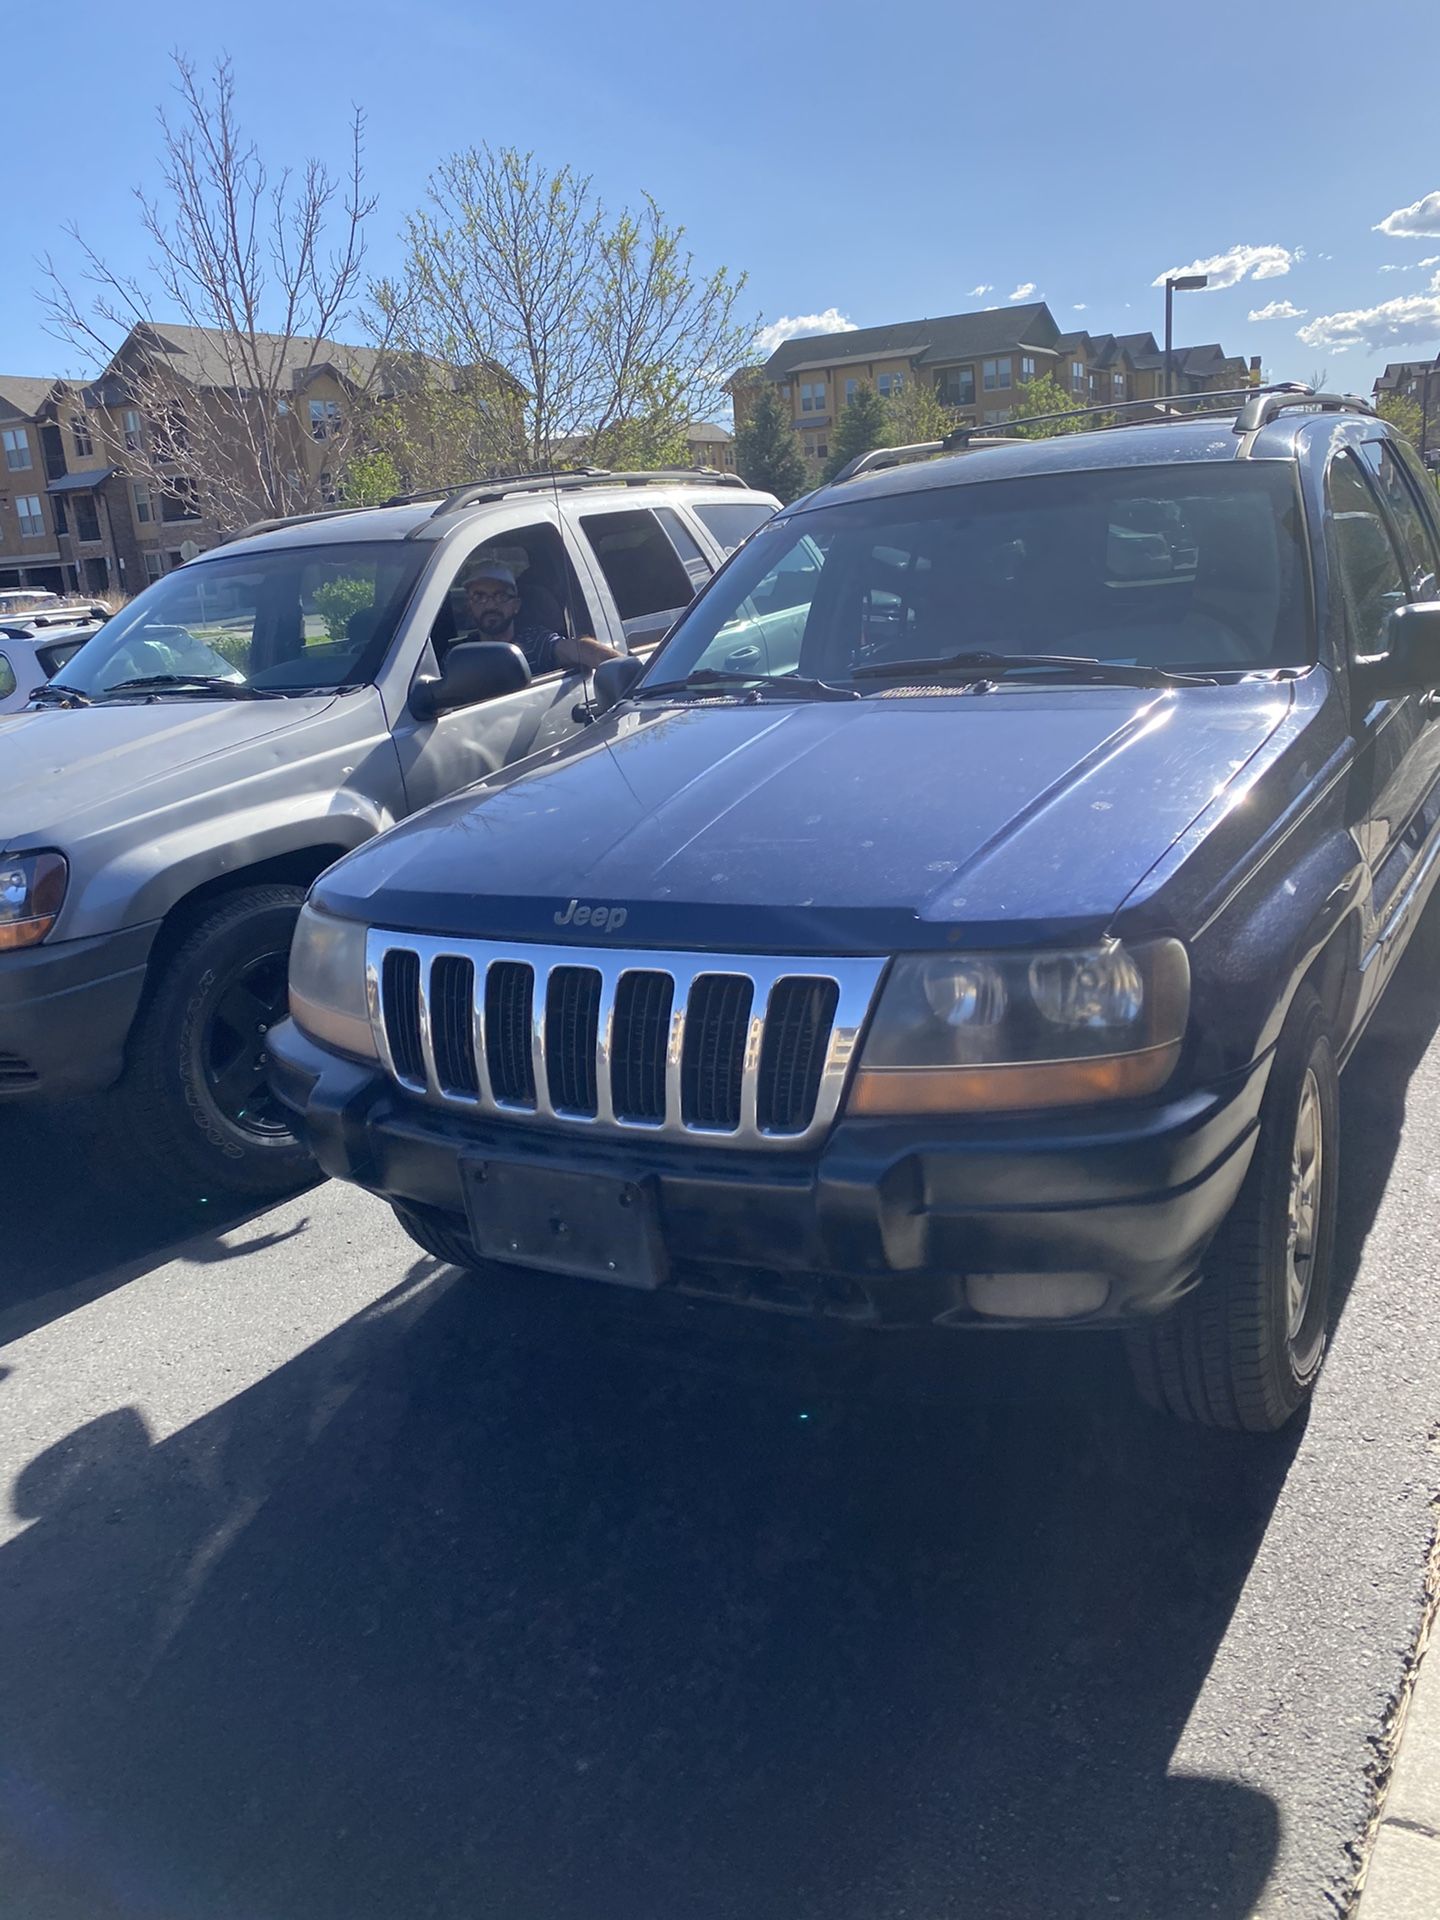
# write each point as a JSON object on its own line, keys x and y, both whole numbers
{"x": 730, "y": 1048}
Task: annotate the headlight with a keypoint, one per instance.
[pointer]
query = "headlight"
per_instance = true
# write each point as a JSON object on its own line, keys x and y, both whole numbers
{"x": 32, "y": 890}
{"x": 328, "y": 996}
{"x": 983, "y": 1033}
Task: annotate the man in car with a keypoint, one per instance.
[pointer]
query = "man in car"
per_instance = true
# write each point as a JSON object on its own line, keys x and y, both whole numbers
{"x": 493, "y": 603}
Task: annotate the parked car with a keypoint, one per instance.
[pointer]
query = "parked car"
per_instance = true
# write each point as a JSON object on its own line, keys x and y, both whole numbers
{"x": 245, "y": 721}
{"x": 18, "y": 600}
{"x": 985, "y": 952}
{"x": 34, "y": 648}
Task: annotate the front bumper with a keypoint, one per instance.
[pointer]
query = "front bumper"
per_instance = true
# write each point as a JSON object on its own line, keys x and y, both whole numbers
{"x": 66, "y": 1012}
{"x": 886, "y": 1223}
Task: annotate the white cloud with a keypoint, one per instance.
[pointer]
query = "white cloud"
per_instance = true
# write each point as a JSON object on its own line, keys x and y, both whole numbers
{"x": 1430, "y": 260}
{"x": 1278, "y": 310}
{"x": 1420, "y": 221}
{"x": 1411, "y": 320}
{"x": 978, "y": 293}
{"x": 1079, "y": 306}
{"x": 793, "y": 326}
{"x": 1024, "y": 290}
{"x": 1392, "y": 266}
{"x": 1240, "y": 263}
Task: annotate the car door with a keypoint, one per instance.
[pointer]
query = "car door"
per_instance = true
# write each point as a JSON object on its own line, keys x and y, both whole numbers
{"x": 441, "y": 755}
{"x": 1375, "y": 577}
{"x": 649, "y": 581}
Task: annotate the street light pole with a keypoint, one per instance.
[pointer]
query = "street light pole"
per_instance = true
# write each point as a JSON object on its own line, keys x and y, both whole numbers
{"x": 1177, "y": 283}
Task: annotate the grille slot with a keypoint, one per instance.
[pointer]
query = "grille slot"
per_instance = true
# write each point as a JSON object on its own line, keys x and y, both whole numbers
{"x": 640, "y": 1040}
{"x": 736, "y": 1050}
{"x": 798, "y": 1024}
{"x": 400, "y": 991}
{"x": 509, "y": 1002}
{"x": 452, "y": 995}
{"x": 712, "y": 1065}
{"x": 572, "y": 1020}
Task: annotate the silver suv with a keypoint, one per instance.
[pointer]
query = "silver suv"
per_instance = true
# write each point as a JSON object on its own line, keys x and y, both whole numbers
{"x": 168, "y": 798}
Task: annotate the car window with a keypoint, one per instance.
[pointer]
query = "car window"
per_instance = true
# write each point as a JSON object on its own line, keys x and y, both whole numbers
{"x": 548, "y": 591}
{"x": 52, "y": 659}
{"x": 1198, "y": 566}
{"x": 1372, "y": 581}
{"x": 687, "y": 546}
{"x": 292, "y": 619}
{"x": 1417, "y": 543}
{"x": 7, "y": 678}
{"x": 733, "y": 521}
{"x": 643, "y": 571}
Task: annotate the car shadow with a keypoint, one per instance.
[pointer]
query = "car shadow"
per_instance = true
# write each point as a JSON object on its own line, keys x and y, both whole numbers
{"x": 536, "y": 1599}
{"x": 80, "y": 1221}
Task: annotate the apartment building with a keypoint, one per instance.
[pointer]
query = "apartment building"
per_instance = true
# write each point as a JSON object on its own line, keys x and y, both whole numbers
{"x": 90, "y": 502}
{"x": 974, "y": 362}
{"x": 710, "y": 445}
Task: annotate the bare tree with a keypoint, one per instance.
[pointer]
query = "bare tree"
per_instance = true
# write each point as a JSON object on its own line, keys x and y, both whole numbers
{"x": 264, "y": 267}
{"x": 608, "y": 338}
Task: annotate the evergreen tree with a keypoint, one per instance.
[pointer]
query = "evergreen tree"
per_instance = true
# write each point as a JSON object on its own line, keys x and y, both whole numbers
{"x": 1044, "y": 394}
{"x": 767, "y": 452}
{"x": 864, "y": 425}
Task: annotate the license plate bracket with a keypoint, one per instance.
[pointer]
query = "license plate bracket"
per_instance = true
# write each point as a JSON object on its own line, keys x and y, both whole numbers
{"x": 597, "y": 1225}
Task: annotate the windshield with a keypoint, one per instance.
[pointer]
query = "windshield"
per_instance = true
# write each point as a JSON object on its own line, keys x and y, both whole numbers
{"x": 1185, "y": 568}
{"x": 294, "y": 620}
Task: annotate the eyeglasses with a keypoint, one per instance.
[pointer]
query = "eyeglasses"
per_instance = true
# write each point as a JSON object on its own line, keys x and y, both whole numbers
{"x": 491, "y": 596}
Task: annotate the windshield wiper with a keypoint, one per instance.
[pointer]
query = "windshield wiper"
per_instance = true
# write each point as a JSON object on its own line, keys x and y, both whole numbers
{"x": 194, "y": 683}
{"x": 983, "y": 665}
{"x": 759, "y": 684}
{"x": 68, "y": 696}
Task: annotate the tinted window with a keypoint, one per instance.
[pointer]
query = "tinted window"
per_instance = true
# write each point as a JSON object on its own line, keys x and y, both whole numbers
{"x": 1191, "y": 566}
{"x": 52, "y": 659}
{"x": 294, "y": 619}
{"x": 1372, "y": 584}
{"x": 640, "y": 566}
{"x": 7, "y": 678}
{"x": 733, "y": 521}
{"x": 1417, "y": 546}
{"x": 697, "y": 567}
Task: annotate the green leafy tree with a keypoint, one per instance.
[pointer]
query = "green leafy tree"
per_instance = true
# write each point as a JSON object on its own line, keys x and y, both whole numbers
{"x": 1404, "y": 414}
{"x": 916, "y": 414}
{"x": 371, "y": 479}
{"x": 337, "y": 599}
{"x": 864, "y": 425}
{"x": 1044, "y": 394}
{"x": 767, "y": 452}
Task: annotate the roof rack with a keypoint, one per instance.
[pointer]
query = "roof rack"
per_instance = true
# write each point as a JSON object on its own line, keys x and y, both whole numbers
{"x": 1268, "y": 403}
{"x": 501, "y": 486}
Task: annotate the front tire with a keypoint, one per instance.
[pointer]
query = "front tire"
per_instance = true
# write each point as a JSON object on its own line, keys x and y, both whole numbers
{"x": 439, "y": 1235}
{"x": 1244, "y": 1348}
{"x": 197, "y": 1106}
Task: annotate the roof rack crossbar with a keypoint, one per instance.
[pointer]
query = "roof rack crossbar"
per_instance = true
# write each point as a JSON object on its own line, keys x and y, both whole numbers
{"x": 503, "y": 485}
{"x": 1268, "y": 403}
{"x": 1168, "y": 406}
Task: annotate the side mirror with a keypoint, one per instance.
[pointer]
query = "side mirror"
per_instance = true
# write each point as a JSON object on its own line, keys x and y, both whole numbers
{"x": 613, "y": 680}
{"x": 1411, "y": 661}
{"x": 475, "y": 670}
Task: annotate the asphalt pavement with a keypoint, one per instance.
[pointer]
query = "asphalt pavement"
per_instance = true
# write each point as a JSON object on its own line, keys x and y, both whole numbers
{"x": 335, "y": 1585}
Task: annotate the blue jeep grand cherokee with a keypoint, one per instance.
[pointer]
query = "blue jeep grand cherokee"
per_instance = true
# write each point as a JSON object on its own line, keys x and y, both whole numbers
{"x": 962, "y": 920}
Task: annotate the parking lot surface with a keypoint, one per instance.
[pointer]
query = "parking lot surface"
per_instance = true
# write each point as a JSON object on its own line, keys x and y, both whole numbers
{"x": 333, "y": 1584}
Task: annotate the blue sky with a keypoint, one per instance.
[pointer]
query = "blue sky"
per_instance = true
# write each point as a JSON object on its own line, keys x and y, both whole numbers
{"x": 855, "y": 161}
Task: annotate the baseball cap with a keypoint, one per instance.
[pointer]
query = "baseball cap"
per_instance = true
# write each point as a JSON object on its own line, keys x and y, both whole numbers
{"x": 492, "y": 570}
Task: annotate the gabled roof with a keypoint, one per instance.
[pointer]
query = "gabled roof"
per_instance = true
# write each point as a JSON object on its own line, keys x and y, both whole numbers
{"x": 21, "y": 396}
{"x": 708, "y": 430}
{"x": 955, "y": 336}
{"x": 1144, "y": 354}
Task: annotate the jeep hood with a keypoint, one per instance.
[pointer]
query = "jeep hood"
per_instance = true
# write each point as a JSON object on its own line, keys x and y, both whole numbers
{"x": 61, "y": 767}
{"x": 821, "y": 827}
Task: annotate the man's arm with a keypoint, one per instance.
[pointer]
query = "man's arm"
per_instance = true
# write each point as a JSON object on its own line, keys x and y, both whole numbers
{"x": 583, "y": 650}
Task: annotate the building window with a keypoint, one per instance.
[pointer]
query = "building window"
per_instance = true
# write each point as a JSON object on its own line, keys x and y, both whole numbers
{"x": 889, "y": 383}
{"x": 995, "y": 416}
{"x": 80, "y": 433}
{"x": 144, "y": 506}
{"x": 822, "y": 450}
{"x": 1117, "y": 386}
{"x": 154, "y": 564}
{"x": 130, "y": 427}
{"x": 852, "y": 387}
{"x": 17, "y": 449}
{"x": 87, "y": 517}
{"x": 812, "y": 396}
{"x": 32, "y": 520}
{"x": 1077, "y": 374}
{"x": 1027, "y": 366}
{"x": 996, "y": 374}
{"x": 324, "y": 418}
{"x": 956, "y": 387}
{"x": 177, "y": 502}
